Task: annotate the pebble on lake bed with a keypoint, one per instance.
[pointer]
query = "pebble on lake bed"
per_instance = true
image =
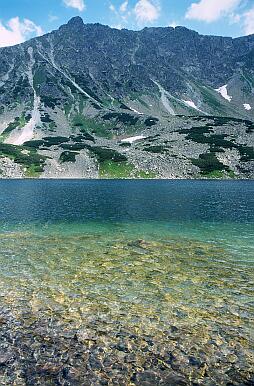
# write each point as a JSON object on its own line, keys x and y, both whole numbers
{"x": 46, "y": 352}
{"x": 83, "y": 309}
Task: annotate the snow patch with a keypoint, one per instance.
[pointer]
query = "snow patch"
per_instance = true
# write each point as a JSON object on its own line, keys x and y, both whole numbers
{"x": 28, "y": 130}
{"x": 191, "y": 104}
{"x": 135, "y": 111}
{"x": 164, "y": 99}
{"x": 223, "y": 91}
{"x": 133, "y": 139}
{"x": 247, "y": 106}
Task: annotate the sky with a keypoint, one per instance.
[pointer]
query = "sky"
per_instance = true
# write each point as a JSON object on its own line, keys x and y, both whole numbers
{"x": 21, "y": 20}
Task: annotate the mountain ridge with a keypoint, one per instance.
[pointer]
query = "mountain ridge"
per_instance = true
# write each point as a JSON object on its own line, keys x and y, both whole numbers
{"x": 78, "y": 20}
{"x": 91, "y": 80}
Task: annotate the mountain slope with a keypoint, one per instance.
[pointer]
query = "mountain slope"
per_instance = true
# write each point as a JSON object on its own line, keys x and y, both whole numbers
{"x": 69, "y": 100}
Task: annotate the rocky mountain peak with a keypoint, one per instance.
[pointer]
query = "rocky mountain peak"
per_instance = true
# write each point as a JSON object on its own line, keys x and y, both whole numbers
{"x": 75, "y": 21}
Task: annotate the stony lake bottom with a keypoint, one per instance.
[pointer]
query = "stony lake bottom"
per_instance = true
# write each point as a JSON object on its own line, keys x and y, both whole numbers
{"x": 126, "y": 282}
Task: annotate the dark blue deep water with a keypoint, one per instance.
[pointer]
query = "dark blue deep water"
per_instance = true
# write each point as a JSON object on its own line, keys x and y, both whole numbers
{"x": 126, "y": 201}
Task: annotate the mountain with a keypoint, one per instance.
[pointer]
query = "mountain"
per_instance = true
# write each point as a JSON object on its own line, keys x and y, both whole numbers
{"x": 91, "y": 101}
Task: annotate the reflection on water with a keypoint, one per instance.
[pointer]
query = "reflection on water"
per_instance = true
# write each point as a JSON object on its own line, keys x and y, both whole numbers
{"x": 126, "y": 302}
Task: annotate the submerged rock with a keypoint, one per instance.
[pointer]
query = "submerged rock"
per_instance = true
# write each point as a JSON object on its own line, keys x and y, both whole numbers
{"x": 98, "y": 313}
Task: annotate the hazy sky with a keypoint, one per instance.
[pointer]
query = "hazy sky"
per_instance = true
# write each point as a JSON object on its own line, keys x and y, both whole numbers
{"x": 23, "y": 19}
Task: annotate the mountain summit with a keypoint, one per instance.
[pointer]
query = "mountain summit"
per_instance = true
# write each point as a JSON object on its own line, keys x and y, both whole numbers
{"x": 92, "y": 86}
{"x": 76, "y": 20}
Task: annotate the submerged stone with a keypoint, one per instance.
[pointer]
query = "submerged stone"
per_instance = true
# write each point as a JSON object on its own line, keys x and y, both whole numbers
{"x": 115, "y": 310}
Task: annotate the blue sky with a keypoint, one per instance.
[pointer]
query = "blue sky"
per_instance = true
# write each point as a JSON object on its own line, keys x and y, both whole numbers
{"x": 23, "y": 19}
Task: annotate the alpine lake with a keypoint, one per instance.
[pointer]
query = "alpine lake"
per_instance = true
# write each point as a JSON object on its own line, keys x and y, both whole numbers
{"x": 126, "y": 282}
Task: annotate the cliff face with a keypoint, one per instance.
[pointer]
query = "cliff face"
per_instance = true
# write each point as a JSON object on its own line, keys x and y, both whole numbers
{"x": 69, "y": 95}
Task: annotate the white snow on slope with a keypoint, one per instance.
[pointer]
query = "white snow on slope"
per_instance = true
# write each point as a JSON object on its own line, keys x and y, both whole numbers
{"x": 164, "y": 99}
{"x": 28, "y": 130}
{"x": 133, "y": 139}
{"x": 191, "y": 104}
{"x": 135, "y": 111}
{"x": 26, "y": 133}
{"x": 223, "y": 91}
{"x": 247, "y": 106}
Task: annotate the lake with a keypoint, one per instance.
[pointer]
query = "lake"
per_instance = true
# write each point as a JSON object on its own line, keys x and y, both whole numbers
{"x": 126, "y": 282}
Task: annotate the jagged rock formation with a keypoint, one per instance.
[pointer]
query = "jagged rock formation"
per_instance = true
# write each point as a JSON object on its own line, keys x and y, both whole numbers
{"x": 91, "y": 101}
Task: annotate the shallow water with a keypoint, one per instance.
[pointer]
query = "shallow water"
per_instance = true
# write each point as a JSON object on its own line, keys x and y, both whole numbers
{"x": 158, "y": 270}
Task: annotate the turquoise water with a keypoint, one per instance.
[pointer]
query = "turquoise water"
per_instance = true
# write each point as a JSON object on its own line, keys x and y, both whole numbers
{"x": 146, "y": 257}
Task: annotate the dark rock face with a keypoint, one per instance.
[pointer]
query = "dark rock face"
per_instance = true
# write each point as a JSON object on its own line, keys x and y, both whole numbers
{"x": 167, "y": 55}
{"x": 121, "y": 61}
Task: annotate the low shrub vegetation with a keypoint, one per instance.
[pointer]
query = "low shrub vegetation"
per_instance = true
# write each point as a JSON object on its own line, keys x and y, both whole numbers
{"x": 68, "y": 156}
